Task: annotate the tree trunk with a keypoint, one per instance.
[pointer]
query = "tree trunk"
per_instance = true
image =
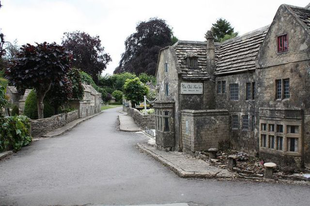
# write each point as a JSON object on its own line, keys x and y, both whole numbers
{"x": 40, "y": 97}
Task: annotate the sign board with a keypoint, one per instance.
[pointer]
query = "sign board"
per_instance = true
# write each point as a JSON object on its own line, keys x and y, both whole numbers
{"x": 191, "y": 88}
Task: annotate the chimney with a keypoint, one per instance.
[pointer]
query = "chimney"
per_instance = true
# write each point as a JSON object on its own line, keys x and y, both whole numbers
{"x": 210, "y": 53}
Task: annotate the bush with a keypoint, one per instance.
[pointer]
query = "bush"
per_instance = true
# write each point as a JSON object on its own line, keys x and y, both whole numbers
{"x": 15, "y": 111}
{"x": 15, "y": 133}
{"x": 31, "y": 109}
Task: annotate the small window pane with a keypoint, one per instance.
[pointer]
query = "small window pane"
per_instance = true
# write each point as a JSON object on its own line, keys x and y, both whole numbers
{"x": 235, "y": 121}
{"x": 271, "y": 141}
{"x": 292, "y": 144}
{"x": 280, "y": 128}
{"x": 278, "y": 89}
{"x": 253, "y": 90}
{"x": 166, "y": 67}
{"x": 271, "y": 127}
{"x": 279, "y": 143}
{"x": 223, "y": 87}
{"x": 219, "y": 87}
{"x": 167, "y": 89}
{"x": 166, "y": 124}
{"x": 263, "y": 127}
{"x": 245, "y": 122}
{"x": 248, "y": 91}
{"x": 234, "y": 91}
{"x": 263, "y": 140}
{"x": 292, "y": 129}
{"x": 286, "y": 85}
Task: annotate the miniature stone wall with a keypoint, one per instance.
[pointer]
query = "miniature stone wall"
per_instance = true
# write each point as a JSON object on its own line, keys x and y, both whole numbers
{"x": 42, "y": 126}
{"x": 204, "y": 129}
{"x": 143, "y": 121}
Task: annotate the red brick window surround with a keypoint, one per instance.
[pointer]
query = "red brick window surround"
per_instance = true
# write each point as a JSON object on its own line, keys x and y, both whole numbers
{"x": 282, "y": 43}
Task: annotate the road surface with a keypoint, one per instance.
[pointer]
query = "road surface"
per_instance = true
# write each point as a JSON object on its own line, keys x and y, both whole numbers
{"x": 97, "y": 164}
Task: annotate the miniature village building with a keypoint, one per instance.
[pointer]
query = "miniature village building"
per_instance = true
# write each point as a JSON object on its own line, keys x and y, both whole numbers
{"x": 249, "y": 92}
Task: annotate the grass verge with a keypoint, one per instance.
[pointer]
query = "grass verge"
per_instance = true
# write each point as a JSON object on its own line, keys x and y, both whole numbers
{"x": 104, "y": 107}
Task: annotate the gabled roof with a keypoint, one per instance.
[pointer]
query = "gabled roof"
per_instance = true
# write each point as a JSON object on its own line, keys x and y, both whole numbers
{"x": 302, "y": 14}
{"x": 184, "y": 49}
{"x": 239, "y": 54}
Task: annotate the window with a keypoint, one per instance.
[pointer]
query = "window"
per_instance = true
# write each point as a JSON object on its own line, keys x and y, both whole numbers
{"x": 279, "y": 143}
{"x": 166, "y": 118}
{"x": 292, "y": 144}
{"x": 292, "y": 129}
{"x": 263, "y": 140}
{"x": 278, "y": 89}
{"x": 162, "y": 119}
{"x": 264, "y": 127}
{"x": 167, "y": 89}
{"x": 245, "y": 122}
{"x": 286, "y": 88}
{"x": 234, "y": 91}
{"x": 271, "y": 127}
{"x": 192, "y": 62}
{"x": 250, "y": 90}
{"x": 282, "y": 88}
{"x": 235, "y": 122}
{"x": 282, "y": 43}
{"x": 166, "y": 67}
{"x": 280, "y": 128}
{"x": 271, "y": 141}
{"x": 221, "y": 87}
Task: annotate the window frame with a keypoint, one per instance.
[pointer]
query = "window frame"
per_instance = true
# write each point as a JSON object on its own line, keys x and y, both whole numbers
{"x": 282, "y": 89}
{"x": 282, "y": 43}
{"x": 235, "y": 122}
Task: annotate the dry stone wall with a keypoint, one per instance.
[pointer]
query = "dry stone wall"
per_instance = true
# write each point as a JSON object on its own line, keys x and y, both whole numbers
{"x": 143, "y": 121}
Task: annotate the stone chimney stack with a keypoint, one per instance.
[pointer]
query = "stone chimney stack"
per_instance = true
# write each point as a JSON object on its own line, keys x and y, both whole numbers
{"x": 210, "y": 53}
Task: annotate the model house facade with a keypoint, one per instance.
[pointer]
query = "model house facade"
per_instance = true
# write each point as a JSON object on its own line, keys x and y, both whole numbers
{"x": 249, "y": 93}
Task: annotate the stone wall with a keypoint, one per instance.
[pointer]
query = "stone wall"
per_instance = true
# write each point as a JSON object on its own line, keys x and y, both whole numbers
{"x": 42, "y": 126}
{"x": 204, "y": 129}
{"x": 143, "y": 121}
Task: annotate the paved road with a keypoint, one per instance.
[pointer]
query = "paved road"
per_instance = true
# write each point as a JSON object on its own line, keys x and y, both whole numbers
{"x": 97, "y": 164}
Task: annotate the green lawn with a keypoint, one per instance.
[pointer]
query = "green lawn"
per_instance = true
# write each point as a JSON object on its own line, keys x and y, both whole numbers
{"x": 104, "y": 107}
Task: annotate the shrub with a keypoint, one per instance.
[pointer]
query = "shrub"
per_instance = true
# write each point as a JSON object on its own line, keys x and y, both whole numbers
{"x": 31, "y": 110}
{"x": 15, "y": 133}
{"x": 15, "y": 111}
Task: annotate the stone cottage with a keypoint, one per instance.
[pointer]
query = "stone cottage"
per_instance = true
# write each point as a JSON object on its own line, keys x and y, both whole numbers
{"x": 249, "y": 92}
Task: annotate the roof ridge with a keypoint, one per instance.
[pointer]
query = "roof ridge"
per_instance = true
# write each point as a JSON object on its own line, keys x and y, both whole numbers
{"x": 191, "y": 42}
{"x": 250, "y": 33}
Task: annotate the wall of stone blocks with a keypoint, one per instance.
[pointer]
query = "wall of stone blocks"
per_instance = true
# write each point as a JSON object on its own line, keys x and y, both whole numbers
{"x": 143, "y": 121}
{"x": 42, "y": 126}
{"x": 204, "y": 129}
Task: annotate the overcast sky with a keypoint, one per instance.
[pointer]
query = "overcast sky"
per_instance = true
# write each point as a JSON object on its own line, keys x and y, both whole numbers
{"x": 30, "y": 21}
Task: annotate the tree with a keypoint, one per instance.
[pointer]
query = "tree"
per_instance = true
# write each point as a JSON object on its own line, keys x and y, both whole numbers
{"x": 221, "y": 28}
{"x": 147, "y": 78}
{"x": 134, "y": 90}
{"x": 39, "y": 67}
{"x": 118, "y": 95}
{"x": 120, "y": 79}
{"x": 88, "y": 54}
{"x": 142, "y": 47}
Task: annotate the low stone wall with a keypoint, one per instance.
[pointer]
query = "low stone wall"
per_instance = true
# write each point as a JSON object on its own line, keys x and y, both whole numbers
{"x": 143, "y": 121}
{"x": 42, "y": 126}
{"x": 204, "y": 129}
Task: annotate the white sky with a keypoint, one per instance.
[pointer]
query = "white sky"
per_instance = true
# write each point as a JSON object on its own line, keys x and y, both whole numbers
{"x": 31, "y": 21}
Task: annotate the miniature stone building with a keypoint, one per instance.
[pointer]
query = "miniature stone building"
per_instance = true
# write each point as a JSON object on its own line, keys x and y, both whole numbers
{"x": 250, "y": 91}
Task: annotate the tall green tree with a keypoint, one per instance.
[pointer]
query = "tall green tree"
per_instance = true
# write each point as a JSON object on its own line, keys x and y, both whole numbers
{"x": 222, "y": 30}
{"x": 88, "y": 53}
{"x": 39, "y": 66}
{"x": 134, "y": 90}
{"x": 142, "y": 47}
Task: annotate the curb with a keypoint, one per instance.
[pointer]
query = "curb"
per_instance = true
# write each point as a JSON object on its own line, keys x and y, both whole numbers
{"x": 126, "y": 130}
{"x": 5, "y": 154}
{"x": 177, "y": 170}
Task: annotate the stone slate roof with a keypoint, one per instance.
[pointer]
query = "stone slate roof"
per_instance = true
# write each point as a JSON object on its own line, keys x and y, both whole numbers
{"x": 303, "y": 14}
{"x": 239, "y": 54}
{"x": 183, "y": 49}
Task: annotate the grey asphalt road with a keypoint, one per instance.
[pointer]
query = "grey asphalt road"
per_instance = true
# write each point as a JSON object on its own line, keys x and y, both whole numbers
{"x": 97, "y": 164}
